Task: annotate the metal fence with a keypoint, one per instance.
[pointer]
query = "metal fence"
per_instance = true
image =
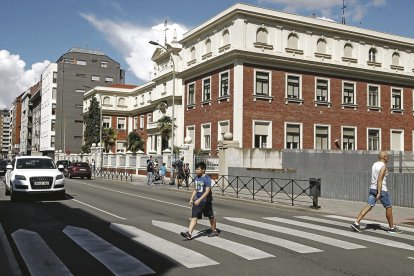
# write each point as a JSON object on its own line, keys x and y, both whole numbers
{"x": 212, "y": 162}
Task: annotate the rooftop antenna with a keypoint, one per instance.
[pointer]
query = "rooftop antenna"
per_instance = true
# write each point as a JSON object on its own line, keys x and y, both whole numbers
{"x": 165, "y": 31}
{"x": 343, "y": 12}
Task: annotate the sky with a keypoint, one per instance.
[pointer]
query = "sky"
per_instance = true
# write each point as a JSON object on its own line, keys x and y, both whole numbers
{"x": 35, "y": 33}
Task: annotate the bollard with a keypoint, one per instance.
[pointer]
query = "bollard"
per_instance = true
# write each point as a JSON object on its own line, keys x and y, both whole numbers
{"x": 315, "y": 191}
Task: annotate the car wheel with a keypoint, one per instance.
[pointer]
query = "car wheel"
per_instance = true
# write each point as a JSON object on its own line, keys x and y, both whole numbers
{"x": 89, "y": 177}
{"x": 13, "y": 195}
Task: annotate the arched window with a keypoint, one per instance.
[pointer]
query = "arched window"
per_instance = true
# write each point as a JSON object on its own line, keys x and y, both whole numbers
{"x": 348, "y": 50}
{"x": 261, "y": 36}
{"x": 293, "y": 41}
{"x": 372, "y": 55}
{"x": 396, "y": 59}
{"x": 192, "y": 53}
{"x": 106, "y": 100}
{"x": 121, "y": 101}
{"x": 226, "y": 37}
{"x": 208, "y": 46}
{"x": 321, "y": 46}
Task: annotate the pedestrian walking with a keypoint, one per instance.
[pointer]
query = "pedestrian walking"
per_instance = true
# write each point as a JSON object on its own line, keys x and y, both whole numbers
{"x": 163, "y": 172}
{"x": 179, "y": 165}
{"x": 187, "y": 174}
{"x": 93, "y": 165}
{"x": 378, "y": 191}
{"x": 150, "y": 170}
{"x": 202, "y": 202}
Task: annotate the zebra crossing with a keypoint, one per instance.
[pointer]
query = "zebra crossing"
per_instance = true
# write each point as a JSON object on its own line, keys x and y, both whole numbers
{"x": 285, "y": 234}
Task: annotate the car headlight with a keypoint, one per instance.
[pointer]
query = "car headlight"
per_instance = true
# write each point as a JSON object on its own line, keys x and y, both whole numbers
{"x": 59, "y": 176}
{"x": 19, "y": 177}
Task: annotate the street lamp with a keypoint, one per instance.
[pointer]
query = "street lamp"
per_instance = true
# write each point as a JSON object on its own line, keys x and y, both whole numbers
{"x": 173, "y": 102}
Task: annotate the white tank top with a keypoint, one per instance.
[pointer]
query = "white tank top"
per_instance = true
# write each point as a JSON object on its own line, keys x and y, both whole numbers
{"x": 376, "y": 168}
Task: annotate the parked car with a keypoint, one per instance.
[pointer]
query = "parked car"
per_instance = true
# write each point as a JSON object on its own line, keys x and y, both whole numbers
{"x": 79, "y": 169}
{"x": 3, "y": 165}
{"x": 33, "y": 175}
{"x": 66, "y": 164}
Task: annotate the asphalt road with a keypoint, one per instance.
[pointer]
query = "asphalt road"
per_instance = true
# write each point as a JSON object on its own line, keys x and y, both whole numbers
{"x": 105, "y": 228}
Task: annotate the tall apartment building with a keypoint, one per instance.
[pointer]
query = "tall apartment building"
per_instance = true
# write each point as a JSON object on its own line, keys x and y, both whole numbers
{"x": 4, "y": 132}
{"x": 15, "y": 124}
{"x": 25, "y": 147}
{"x": 35, "y": 108}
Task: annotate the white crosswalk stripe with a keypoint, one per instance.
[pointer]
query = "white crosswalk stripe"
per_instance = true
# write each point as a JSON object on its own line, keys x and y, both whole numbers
{"x": 350, "y": 234}
{"x": 343, "y": 224}
{"x": 405, "y": 229}
{"x": 116, "y": 260}
{"x": 294, "y": 246}
{"x": 39, "y": 258}
{"x": 186, "y": 257}
{"x": 298, "y": 233}
{"x": 244, "y": 251}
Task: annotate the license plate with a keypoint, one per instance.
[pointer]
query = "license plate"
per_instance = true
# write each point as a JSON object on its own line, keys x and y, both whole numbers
{"x": 41, "y": 183}
{"x": 82, "y": 169}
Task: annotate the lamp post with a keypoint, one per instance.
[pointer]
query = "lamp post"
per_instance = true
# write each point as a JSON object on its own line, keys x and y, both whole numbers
{"x": 173, "y": 102}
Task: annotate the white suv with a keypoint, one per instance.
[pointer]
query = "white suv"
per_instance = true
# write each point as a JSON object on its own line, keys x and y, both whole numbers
{"x": 33, "y": 174}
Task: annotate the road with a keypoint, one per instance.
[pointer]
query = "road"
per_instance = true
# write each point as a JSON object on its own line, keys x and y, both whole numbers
{"x": 105, "y": 227}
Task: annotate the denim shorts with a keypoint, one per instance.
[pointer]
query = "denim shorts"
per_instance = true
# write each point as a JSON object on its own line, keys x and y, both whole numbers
{"x": 385, "y": 198}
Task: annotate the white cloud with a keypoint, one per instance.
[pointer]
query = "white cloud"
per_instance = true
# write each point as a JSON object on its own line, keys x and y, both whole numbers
{"x": 14, "y": 78}
{"x": 132, "y": 41}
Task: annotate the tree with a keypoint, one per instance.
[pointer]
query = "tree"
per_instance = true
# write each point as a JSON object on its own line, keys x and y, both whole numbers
{"x": 92, "y": 121}
{"x": 108, "y": 138}
{"x": 165, "y": 129}
{"x": 134, "y": 142}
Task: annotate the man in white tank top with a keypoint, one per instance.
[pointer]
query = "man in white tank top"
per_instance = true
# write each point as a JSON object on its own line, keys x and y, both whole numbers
{"x": 378, "y": 191}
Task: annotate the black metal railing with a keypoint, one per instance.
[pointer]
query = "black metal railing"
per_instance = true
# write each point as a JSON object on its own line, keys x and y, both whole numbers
{"x": 117, "y": 174}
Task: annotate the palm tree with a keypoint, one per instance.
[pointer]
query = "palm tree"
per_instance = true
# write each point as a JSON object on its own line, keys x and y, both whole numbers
{"x": 165, "y": 129}
{"x": 134, "y": 142}
{"x": 108, "y": 138}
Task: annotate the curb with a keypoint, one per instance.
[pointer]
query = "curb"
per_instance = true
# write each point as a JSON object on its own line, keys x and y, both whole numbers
{"x": 8, "y": 262}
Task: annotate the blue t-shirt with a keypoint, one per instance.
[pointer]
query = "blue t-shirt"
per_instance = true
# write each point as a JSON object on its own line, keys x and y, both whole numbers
{"x": 163, "y": 170}
{"x": 201, "y": 184}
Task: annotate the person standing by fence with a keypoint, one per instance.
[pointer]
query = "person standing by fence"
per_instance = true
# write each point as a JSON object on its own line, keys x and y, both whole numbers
{"x": 163, "y": 172}
{"x": 150, "y": 169}
{"x": 378, "y": 191}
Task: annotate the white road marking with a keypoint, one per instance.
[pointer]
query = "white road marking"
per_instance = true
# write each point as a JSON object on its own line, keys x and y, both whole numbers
{"x": 298, "y": 233}
{"x": 38, "y": 257}
{"x": 116, "y": 260}
{"x": 134, "y": 195}
{"x": 412, "y": 258}
{"x": 294, "y": 246}
{"x": 244, "y": 251}
{"x": 405, "y": 229}
{"x": 186, "y": 257}
{"x": 103, "y": 211}
{"x": 347, "y": 225}
{"x": 349, "y": 233}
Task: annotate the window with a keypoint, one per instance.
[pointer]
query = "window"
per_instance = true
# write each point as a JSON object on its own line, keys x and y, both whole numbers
{"x": 293, "y": 134}
{"x": 95, "y": 78}
{"x": 396, "y": 98}
{"x": 223, "y": 127}
{"x": 206, "y": 137}
{"x": 293, "y": 41}
{"x": 293, "y": 87}
{"x": 262, "y": 83}
{"x": 104, "y": 64}
{"x": 206, "y": 90}
{"x": 81, "y": 62}
{"x": 372, "y": 55}
{"x": 191, "y": 133}
{"x": 121, "y": 123}
{"x": 54, "y": 77}
{"x": 261, "y": 36}
{"x": 395, "y": 59}
{"x": 208, "y": 46}
{"x": 226, "y": 37}
{"x": 120, "y": 146}
{"x": 107, "y": 101}
{"x": 348, "y": 50}
{"x": 224, "y": 84}
{"x": 191, "y": 94}
{"x": 321, "y": 46}
{"x": 109, "y": 79}
{"x": 262, "y": 133}
{"x": 53, "y": 109}
{"x": 54, "y": 90}
{"x": 192, "y": 53}
{"x": 374, "y": 139}
{"x": 141, "y": 121}
{"x": 52, "y": 128}
{"x": 373, "y": 96}
{"x": 322, "y": 137}
{"x": 149, "y": 117}
{"x": 52, "y": 141}
{"x": 322, "y": 90}
{"x": 348, "y": 93}
{"x": 106, "y": 122}
{"x": 135, "y": 126}
{"x": 80, "y": 90}
{"x": 121, "y": 101}
{"x": 348, "y": 138}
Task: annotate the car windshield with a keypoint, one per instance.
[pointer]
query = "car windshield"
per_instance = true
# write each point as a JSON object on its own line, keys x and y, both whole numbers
{"x": 34, "y": 163}
{"x": 85, "y": 165}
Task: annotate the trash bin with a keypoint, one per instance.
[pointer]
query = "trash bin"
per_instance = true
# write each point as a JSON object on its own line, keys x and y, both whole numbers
{"x": 315, "y": 191}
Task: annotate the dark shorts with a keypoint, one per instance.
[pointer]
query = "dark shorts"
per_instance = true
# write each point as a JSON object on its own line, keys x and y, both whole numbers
{"x": 203, "y": 209}
{"x": 180, "y": 175}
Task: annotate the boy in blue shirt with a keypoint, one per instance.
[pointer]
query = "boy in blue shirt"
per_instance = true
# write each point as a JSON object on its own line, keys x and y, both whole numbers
{"x": 201, "y": 201}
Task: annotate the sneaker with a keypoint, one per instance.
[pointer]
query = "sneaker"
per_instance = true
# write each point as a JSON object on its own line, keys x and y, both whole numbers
{"x": 394, "y": 229}
{"x": 356, "y": 227}
{"x": 186, "y": 235}
{"x": 214, "y": 233}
